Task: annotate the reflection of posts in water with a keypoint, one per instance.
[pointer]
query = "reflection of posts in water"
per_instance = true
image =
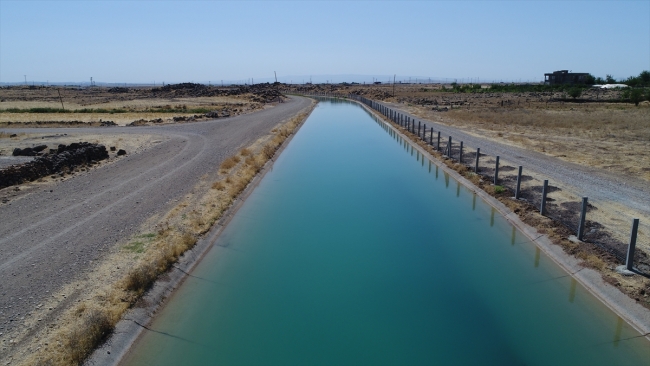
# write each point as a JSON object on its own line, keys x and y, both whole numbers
{"x": 436, "y": 172}
{"x": 429, "y": 166}
{"x": 474, "y": 202}
{"x": 512, "y": 236}
{"x": 457, "y": 189}
{"x": 492, "y": 216}
{"x": 446, "y": 180}
{"x": 572, "y": 290}
{"x": 617, "y": 333}
{"x": 537, "y": 253}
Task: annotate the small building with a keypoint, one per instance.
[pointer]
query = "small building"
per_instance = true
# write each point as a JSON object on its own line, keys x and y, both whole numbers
{"x": 565, "y": 77}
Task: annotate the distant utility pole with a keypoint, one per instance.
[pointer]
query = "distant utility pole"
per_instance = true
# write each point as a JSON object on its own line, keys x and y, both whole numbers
{"x": 61, "y": 99}
{"x": 394, "y": 85}
{"x": 276, "y": 76}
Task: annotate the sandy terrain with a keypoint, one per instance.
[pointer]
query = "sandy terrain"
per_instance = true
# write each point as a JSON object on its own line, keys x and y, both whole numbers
{"x": 54, "y": 234}
{"x": 123, "y": 106}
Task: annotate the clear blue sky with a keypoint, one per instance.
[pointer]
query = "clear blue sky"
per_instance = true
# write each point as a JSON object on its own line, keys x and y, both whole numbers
{"x": 176, "y": 41}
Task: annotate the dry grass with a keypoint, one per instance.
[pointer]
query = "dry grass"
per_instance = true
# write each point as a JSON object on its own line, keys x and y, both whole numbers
{"x": 230, "y": 163}
{"x": 89, "y": 323}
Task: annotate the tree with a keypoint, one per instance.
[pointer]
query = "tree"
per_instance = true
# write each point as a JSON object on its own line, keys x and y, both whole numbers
{"x": 609, "y": 79}
{"x": 645, "y": 77}
{"x": 574, "y": 92}
{"x": 600, "y": 81}
{"x": 590, "y": 80}
{"x": 634, "y": 95}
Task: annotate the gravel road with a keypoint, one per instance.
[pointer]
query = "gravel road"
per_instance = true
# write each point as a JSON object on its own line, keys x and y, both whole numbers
{"x": 50, "y": 236}
{"x": 580, "y": 180}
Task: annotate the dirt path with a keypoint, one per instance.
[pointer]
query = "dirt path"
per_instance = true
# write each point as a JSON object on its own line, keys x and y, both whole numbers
{"x": 52, "y": 235}
{"x": 622, "y": 198}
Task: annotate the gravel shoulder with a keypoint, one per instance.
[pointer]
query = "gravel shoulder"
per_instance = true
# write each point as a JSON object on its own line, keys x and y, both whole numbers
{"x": 56, "y": 232}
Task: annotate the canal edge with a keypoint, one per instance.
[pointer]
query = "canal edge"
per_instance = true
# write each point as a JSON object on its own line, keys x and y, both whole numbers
{"x": 622, "y": 305}
{"x": 129, "y": 329}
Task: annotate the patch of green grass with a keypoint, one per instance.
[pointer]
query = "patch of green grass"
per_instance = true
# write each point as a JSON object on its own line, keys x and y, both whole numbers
{"x": 499, "y": 189}
{"x": 135, "y": 247}
{"x": 147, "y": 236}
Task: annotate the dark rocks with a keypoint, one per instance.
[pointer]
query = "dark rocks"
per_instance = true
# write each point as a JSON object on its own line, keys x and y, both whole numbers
{"x": 39, "y": 148}
{"x": 213, "y": 114}
{"x": 65, "y": 158}
{"x": 113, "y": 148}
{"x": 13, "y": 135}
{"x": 23, "y": 152}
{"x": 121, "y": 152}
{"x": 29, "y": 151}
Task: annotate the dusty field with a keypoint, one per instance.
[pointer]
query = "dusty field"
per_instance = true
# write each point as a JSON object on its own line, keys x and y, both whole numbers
{"x": 124, "y": 106}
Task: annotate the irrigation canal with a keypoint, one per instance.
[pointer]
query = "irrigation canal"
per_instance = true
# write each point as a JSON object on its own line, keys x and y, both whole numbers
{"x": 356, "y": 249}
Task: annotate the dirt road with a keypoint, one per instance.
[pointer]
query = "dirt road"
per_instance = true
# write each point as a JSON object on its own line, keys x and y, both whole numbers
{"x": 51, "y": 236}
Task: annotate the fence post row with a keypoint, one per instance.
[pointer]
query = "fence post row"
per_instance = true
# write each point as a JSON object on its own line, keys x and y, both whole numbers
{"x": 496, "y": 171}
{"x": 460, "y": 154}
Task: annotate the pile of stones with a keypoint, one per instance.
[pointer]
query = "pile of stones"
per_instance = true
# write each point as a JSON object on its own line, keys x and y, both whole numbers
{"x": 65, "y": 157}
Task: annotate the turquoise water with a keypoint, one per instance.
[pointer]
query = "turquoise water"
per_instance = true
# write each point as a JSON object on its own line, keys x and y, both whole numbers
{"x": 355, "y": 249}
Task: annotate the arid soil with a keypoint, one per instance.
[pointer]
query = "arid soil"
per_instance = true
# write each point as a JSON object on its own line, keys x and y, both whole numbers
{"x": 53, "y": 234}
{"x": 75, "y": 106}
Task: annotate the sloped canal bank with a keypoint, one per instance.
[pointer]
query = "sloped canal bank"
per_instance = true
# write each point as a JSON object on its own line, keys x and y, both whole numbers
{"x": 355, "y": 249}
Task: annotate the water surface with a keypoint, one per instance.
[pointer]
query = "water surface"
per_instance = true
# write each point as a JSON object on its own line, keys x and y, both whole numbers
{"x": 355, "y": 249}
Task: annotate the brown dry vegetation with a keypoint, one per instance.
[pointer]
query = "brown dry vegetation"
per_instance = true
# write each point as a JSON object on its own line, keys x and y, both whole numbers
{"x": 142, "y": 105}
{"x": 83, "y": 327}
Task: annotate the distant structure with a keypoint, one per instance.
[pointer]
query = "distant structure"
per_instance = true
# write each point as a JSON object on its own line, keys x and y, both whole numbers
{"x": 565, "y": 77}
